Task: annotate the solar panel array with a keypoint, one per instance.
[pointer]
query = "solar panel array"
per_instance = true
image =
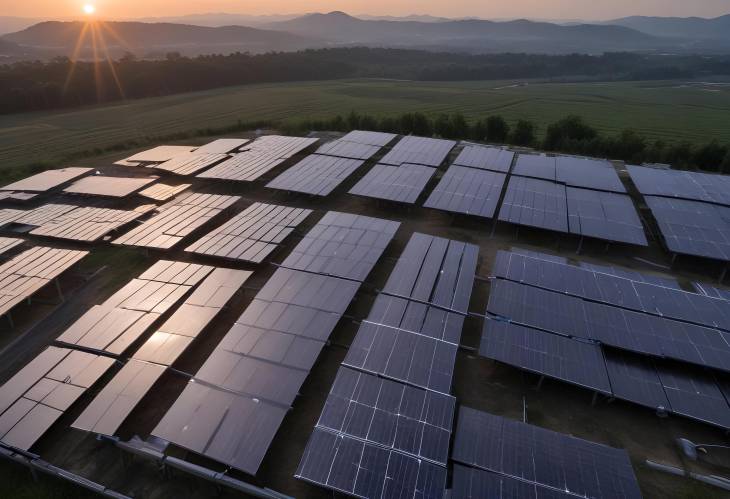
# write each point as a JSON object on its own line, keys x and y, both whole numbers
{"x": 164, "y": 192}
{"x": 515, "y": 459}
{"x": 232, "y": 410}
{"x": 223, "y": 146}
{"x": 99, "y": 185}
{"x": 124, "y": 317}
{"x": 105, "y": 414}
{"x": 176, "y": 220}
{"x": 41, "y": 392}
{"x": 158, "y": 154}
{"x": 485, "y": 158}
{"x": 316, "y": 174}
{"x": 419, "y": 151}
{"x": 259, "y": 157}
{"x": 402, "y": 184}
{"x": 27, "y": 273}
{"x": 47, "y": 180}
{"x": 9, "y": 243}
{"x": 467, "y": 190}
{"x": 535, "y": 203}
{"x": 585, "y": 173}
{"x": 564, "y": 322}
{"x": 692, "y": 186}
{"x": 190, "y": 163}
{"x": 252, "y": 234}
{"x": 389, "y": 411}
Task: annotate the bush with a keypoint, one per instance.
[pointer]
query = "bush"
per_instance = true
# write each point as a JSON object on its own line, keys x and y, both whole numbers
{"x": 497, "y": 129}
{"x": 524, "y": 133}
{"x": 570, "y": 129}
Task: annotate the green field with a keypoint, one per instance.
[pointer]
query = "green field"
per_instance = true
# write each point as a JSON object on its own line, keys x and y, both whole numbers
{"x": 666, "y": 110}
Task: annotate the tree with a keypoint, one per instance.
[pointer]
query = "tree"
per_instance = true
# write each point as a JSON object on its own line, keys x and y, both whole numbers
{"x": 569, "y": 129}
{"x": 479, "y": 130}
{"x": 679, "y": 155}
{"x": 710, "y": 156}
{"x": 497, "y": 129}
{"x": 353, "y": 120}
{"x": 524, "y": 133}
{"x": 628, "y": 146}
{"x": 725, "y": 166}
{"x": 442, "y": 126}
{"x": 459, "y": 127}
{"x": 422, "y": 125}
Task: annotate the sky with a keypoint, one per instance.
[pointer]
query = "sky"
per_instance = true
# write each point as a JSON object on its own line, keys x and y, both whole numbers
{"x": 536, "y": 9}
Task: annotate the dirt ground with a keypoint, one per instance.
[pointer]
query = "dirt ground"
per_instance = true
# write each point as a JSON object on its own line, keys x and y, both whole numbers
{"x": 478, "y": 382}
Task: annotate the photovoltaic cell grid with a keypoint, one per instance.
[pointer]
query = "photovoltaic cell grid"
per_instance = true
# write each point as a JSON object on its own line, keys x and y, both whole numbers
{"x": 535, "y": 203}
{"x": 87, "y": 223}
{"x": 316, "y": 174}
{"x": 369, "y": 138}
{"x": 124, "y": 317}
{"x": 402, "y": 183}
{"x": 342, "y": 245}
{"x": 47, "y": 180}
{"x": 259, "y": 157}
{"x": 190, "y": 163}
{"x": 252, "y": 234}
{"x": 9, "y": 243}
{"x": 99, "y": 185}
{"x": 562, "y": 465}
{"x": 222, "y": 146}
{"x": 692, "y": 186}
{"x": 176, "y": 220}
{"x": 164, "y": 192}
{"x": 40, "y": 393}
{"x": 232, "y": 410}
{"x": 666, "y": 282}
{"x": 121, "y": 395}
{"x": 158, "y": 154}
{"x": 693, "y": 227}
{"x": 485, "y": 158}
{"x": 342, "y": 148}
{"x": 467, "y": 190}
{"x": 712, "y": 291}
{"x": 25, "y": 274}
{"x": 473, "y": 483}
{"x": 585, "y": 173}
{"x": 419, "y": 151}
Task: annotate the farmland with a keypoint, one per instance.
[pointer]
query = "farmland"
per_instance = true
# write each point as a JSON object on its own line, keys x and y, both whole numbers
{"x": 670, "y": 111}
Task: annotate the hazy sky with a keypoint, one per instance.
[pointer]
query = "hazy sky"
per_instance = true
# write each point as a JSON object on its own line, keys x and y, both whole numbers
{"x": 552, "y": 9}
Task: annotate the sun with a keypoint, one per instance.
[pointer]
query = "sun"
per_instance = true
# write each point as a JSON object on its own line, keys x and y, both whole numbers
{"x": 89, "y": 9}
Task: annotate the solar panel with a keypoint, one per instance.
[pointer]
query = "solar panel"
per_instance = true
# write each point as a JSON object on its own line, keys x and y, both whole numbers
{"x": 164, "y": 192}
{"x": 693, "y": 227}
{"x": 342, "y": 245}
{"x": 47, "y": 180}
{"x": 536, "y": 166}
{"x": 567, "y": 359}
{"x": 667, "y": 282}
{"x": 35, "y": 217}
{"x": 535, "y": 203}
{"x": 190, "y": 163}
{"x": 473, "y": 483}
{"x": 588, "y": 173}
{"x": 361, "y": 469}
{"x": 604, "y": 215}
{"x": 402, "y": 184}
{"x": 98, "y": 185}
{"x": 467, "y": 190}
{"x": 693, "y": 186}
{"x": 404, "y": 356}
{"x": 543, "y": 457}
{"x": 87, "y": 223}
{"x": 259, "y": 157}
{"x": 225, "y": 426}
{"x": 40, "y": 393}
{"x": 222, "y": 146}
{"x": 485, "y": 158}
{"x": 16, "y": 196}
{"x": 634, "y": 378}
{"x": 342, "y": 148}
{"x": 390, "y": 414}
{"x": 158, "y": 154}
{"x": 435, "y": 270}
{"x": 252, "y": 234}
{"x": 712, "y": 291}
{"x": 176, "y": 220}
{"x": 316, "y": 174}
{"x": 8, "y": 243}
{"x": 369, "y": 138}
{"x": 419, "y": 151}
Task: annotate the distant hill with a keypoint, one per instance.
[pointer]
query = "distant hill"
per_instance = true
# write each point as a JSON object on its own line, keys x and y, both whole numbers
{"x": 217, "y": 19}
{"x": 471, "y": 35}
{"x": 147, "y": 38}
{"x": 9, "y": 24}
{"x": 679, "y": 27}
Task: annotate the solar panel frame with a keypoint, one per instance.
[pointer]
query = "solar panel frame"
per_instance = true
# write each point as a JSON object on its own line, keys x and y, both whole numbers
{"x": 604, "y": 215}
{"x": 317, "y": 175}
{"x": 474, "y": 483}
{"x": 467, "y": 190}
{"x": 485, "y": 158}
{"x": 536, "y": 166}
{"x": 535, "y": 203}
{"x": 403, "y": 183}
{"x": 588, "y": 173}
{"x": 419, "y": 150}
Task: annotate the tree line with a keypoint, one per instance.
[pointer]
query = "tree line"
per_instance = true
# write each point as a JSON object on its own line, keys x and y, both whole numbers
{"x": 62, "y": 83}
{"x": 570, "y": 135}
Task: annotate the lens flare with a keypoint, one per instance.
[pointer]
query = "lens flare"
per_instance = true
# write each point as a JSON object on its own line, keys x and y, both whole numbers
{"x": 89, "y": 9}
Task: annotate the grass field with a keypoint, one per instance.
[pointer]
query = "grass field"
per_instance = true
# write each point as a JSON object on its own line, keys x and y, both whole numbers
{"x": 665, "y": 110}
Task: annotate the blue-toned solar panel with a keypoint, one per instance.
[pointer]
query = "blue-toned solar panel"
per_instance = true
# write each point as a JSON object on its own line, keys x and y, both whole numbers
{"x": 550, "y": 459}
{"x": 604, "y": 215}
{"x": 667, "y": 282}
{"x": 712, "y": 291}
{"x": 588, "y": 173}
{"x": 361, "y": 469}
{"x": 390, "y": 414}
{"x": 316, "y": 174}
{"x": 536, "y": 166}
{"x": 574, "y": 361}
{"x": 419, "y": 150}
{"x": 634, "y": 378}
{"x": 535, "y": 203}
{"x": 467, "y": 190}
{"x": 694, "y": 186}
{"x": 473, "y": 483}
{"x": 485, "y": 158}
{"x": 403, "y": 183}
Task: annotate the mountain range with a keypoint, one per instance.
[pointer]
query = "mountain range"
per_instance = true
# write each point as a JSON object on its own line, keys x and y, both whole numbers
{"x": 204, "y": 34}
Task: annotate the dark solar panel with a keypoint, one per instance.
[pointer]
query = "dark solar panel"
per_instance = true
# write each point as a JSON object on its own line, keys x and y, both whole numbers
{"x": 535, "y": 166}
{"x": 404, "y": 356}
{"x": 693, "y": 227}
{"x": 694, "y": 393}
{"x": 712, "y": 291}
{"x": 588, "y": 173}
{"x": 316, "y": 174}
{"x": 345, "y": 149}
{"x": 390, "y": 414}
{"x": 417, "y": 317}
{"x": 535, "y": 203}
{"x": 435, "y": 270}
{"x": 467, "y": 190}
{"x": 570, "y": 360}
{"x": 635, "y": 379}
{"x": 419, "y": 151}
{"x": 361, "y": 469}
{"x": 667, "y": 282}
{"x": 604, "y": 215}
{"x": 485, "y": 158}
{"x": 403, "y": 183}
{"x": 678, "y": 184}
{"x": 473, "y": 483}
{"x": 342, "y": 245}
{"x": 537, "y": 455}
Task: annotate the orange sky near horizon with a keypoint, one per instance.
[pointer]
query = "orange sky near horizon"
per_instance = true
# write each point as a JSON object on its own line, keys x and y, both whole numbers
{"x": 548, "y": 9}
